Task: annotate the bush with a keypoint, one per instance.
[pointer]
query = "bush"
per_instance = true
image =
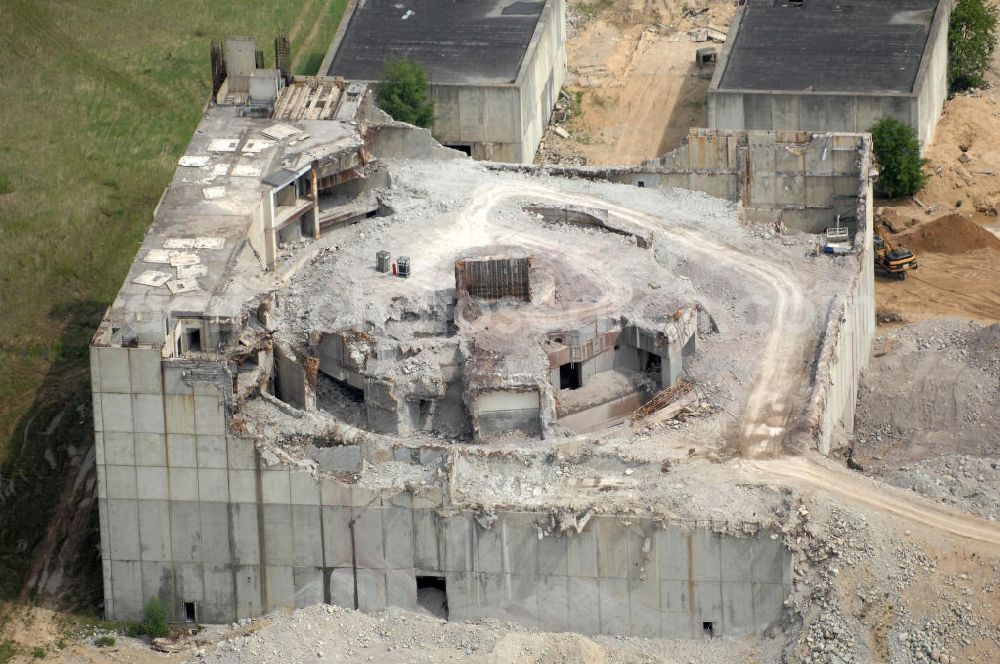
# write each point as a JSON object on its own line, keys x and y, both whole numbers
{"x": 105, "y": 641}
{"x": 972, "y": 38}
{"x": 897, "y": 152}
{"x": 155, "y": 623}
{"x": 38, "y": 652}
{"x": 403, "y": 92}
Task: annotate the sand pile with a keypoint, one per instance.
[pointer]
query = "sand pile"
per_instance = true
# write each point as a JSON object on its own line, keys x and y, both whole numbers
{"x": 952, "y": 234}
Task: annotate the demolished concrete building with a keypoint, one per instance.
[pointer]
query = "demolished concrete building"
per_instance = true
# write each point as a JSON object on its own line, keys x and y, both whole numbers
{"x": 282, "y": 419}
{"x": 824, "y": 66}
{"x": 495, "y": 66}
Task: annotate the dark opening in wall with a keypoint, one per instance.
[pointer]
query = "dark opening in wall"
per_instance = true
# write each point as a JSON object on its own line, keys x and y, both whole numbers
{"x": 571, "y": 376}
{"x": 190, "y": 612}
{"x": 467, "y": 149}
{"x": 192, "y": 339}
{"x": 432, "y": 595}
{"x": 708, "y": 628}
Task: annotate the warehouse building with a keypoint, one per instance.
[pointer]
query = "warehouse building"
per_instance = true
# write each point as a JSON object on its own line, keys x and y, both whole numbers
{"x": 813, "y": 65}
{"x": 495, "y": 66}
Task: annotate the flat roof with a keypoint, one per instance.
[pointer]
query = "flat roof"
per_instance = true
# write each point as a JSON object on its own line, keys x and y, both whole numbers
{"x": 825, "y": 46}
{"x": 465, "y": 41}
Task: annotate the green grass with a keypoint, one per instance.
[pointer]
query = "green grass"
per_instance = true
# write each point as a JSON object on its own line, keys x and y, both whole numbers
{"x": 99, "y": 101}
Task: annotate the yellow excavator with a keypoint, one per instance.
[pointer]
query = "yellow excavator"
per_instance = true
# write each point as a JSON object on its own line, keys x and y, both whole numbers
{"x": 894, "y": 261}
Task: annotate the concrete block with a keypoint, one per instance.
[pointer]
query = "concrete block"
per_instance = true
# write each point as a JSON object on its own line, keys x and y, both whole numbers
{"x": 102, "y": 519}
{"x": 304, "y": 488}
{"x": 401, "y": 588}
{"x": 183, "y": 484}
{"x": 185, "y": 529}
{"x": 114, "y": 370}
{"x": 644, "y": 608}
{"x": 213, "y": 485}
{"x": 337, "y": 536}
{"x": 150, "y": 449}
{"x": 151, "y": 483}
{"x": 98, "y": 412}
{"x": 429, "y": 497}
{"x": 99, "y": 448}
{"x": 147, "y": 413}
{"x": 677, "y": 626}
{"x": 275, "y": 487}
{"x": 334, "y": 492}
{"x": 612, "y": 551}
{"x": 457, "y": 535}
{"x": 552, "y": 553}
{"x": 173, "y": 379}
{"x": 154, "y": 530}
{"x": 707, "y": 602}
{"x": 614, "y": 605}
{"x": 211, "y": 451}
{"x": 522, "y": 606}
{"x": 102, "y": 483}
{"x": 675, "y": 596}
{"x": 737, "y": 608}
{"x": 371, "y": 589}
{"x": 244, "y": 534}
{"x": 584, "y": 605}
{"x": 242, "y": 454}
{"x": 190, "y": 585}
{"x": 768, "y": 603}
{"x": 426, "y": 541}
{"x": 120, "y": 482}
{"x": 770, "y": 560}
{"x": 369, "y": 538}
{"x": 553, "y": 604}
{"x": 642, "y": 562}
{"x": 220, "y": 595}
{"x": 179, "y": 412}
{"x": 206, "y": 389}
{"x": 243, "y": 486}
{"x": 280, "y": 587}
{"x": 307, "y": 532}
{"x": 492, "y": 596}
{"x": 706, "y": 552}
{"x": 209, "y": 416}
{"x": 308, "y": 584}
{"x": 248, "y": 600}
{"x": 364, "y": 497}
{"x": 126, "y": 579}
{"x": 123, "y": 517}
{"x": 341, "y": 459}
{"x": 119, "y": 448}
{"x": 144, "y": 370}
{"x": 342, "y": 587}
{"x": 491, "y": 548}
{"x": 116, "y": 412}
{"x": 581, "y": 554}
{"x": 737, "y": 558}
{"x": 181, "y": 451}
{"x": 278, "y": 535}
{"x": 521, "y": 543}
{"x": 95, "y": 370}
{"x": 397, "y": 524}
{"x": 401, "y": 499}
{"x": 463, "y": 596}
{"x": 215, "y": 529}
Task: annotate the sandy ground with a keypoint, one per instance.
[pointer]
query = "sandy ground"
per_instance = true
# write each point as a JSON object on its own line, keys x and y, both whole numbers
{"x": 632, "y": 65}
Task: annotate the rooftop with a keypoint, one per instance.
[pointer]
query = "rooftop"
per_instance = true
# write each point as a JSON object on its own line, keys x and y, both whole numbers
{"x": 864, "y": 46}
{"x": 475, "y": 41}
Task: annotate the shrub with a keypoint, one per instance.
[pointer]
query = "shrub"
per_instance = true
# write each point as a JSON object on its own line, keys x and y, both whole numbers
{"x": 403, "y": 92}
{"x": 897, "y": 152}
{"x": 104, "y": 641}
{"x": 38, "y": 652}
{"x": 155, "y": 623}
{"x": 972, "y": 38}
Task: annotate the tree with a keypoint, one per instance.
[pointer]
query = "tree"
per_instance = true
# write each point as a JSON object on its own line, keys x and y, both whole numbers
{"x": 972, "y": 39}
{"x": 897, "y": 151}
{"x": 155, "y": 624}
{"x": 403, "y": 92}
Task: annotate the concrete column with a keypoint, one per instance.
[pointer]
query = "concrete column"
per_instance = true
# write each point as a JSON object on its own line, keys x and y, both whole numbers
{"x": 314, "y": 187}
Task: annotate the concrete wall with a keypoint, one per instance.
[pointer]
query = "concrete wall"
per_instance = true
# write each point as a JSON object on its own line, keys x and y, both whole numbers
{"x": 189, "y": 514}
{"x": 543, "y": 72}
{"x": 931, "y": 88}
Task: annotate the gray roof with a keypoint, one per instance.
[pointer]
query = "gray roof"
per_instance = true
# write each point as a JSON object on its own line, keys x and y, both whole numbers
{"x": 458, "y": 41}
{"x": 829, "y": 46}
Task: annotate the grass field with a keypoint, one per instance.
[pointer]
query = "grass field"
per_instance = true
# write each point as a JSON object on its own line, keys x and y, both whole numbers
{"x": 99, "y": 101}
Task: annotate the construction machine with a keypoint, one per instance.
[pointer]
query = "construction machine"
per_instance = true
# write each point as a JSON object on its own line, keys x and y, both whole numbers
{"x": 894, "y": 261}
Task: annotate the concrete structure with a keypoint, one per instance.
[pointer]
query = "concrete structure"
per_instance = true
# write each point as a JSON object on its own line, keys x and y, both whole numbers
{"x": 495, "y": 66}
{"x": 238, "y": 472}
{"x": 821, "y": 66}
